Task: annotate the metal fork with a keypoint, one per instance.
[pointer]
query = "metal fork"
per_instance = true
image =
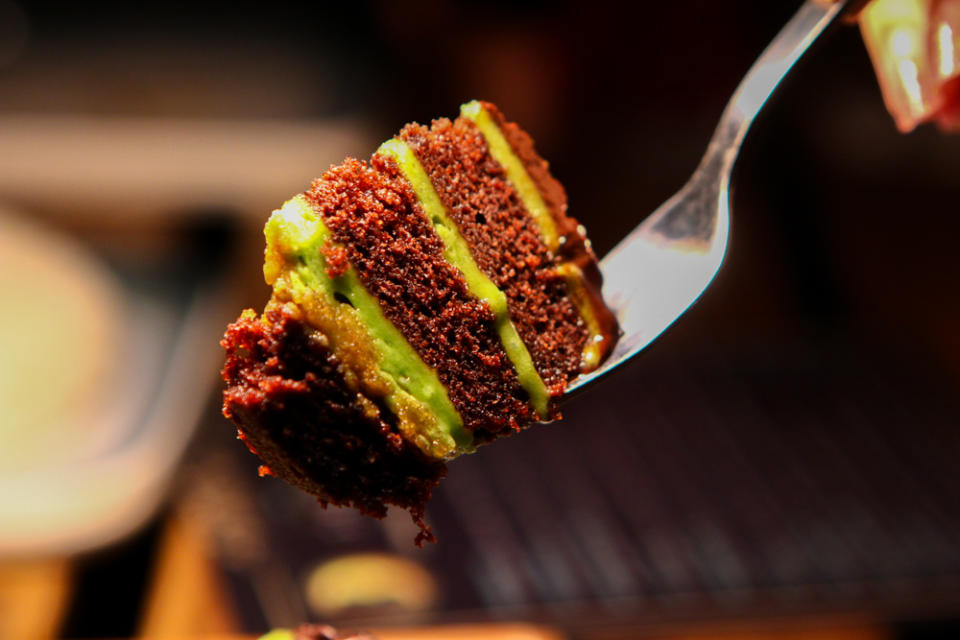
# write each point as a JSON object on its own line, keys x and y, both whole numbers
{"x": 654, "y": 274}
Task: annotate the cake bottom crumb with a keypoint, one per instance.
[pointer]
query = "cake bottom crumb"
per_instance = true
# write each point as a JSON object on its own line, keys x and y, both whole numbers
{"x": 294, "y": 410}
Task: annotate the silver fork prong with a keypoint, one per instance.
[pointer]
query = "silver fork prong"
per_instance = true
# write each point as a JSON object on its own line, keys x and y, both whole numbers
{"x": 654, "y": 274}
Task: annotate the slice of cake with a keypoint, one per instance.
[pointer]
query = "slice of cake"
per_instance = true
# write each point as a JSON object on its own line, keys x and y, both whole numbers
{"x": 424, "y": 302}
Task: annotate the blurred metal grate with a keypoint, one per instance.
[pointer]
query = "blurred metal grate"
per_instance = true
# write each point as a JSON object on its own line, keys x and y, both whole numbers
{"x": 682, "y": 489}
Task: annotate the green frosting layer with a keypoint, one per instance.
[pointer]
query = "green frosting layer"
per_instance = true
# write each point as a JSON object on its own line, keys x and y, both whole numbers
{"x": 278, "y": 634}
{"x": 457, "y": 253}
{"x": 296, "y": 237}
{"x": 517, "y": 174}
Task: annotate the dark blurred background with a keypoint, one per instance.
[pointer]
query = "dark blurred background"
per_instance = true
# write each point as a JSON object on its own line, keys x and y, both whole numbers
{"x": 785, "y": 455}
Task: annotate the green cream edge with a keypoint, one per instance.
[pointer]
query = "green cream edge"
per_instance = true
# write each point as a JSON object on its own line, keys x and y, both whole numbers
{"x": 300, "y": 233}
{"x": 457, "y": 252}
{"x": 533, "y": 202}
{"x": 517, "y": 174}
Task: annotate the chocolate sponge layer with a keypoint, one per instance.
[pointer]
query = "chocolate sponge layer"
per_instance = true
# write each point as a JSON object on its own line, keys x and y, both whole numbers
{"x": 505, "y": 242}
{"x": 575, "y": 248}
{"x": 294, "y": 410}
{"x": 372, "y": 211}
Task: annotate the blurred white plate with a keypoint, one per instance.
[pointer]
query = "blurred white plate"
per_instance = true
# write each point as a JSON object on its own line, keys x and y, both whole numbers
{"x": 101, "y": 385}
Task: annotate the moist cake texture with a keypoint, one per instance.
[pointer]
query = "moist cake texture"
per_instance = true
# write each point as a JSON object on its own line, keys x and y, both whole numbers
{"x": 373, "y": 212}
{"x": 425, "y": 302}
{"x": 506, "y": 243}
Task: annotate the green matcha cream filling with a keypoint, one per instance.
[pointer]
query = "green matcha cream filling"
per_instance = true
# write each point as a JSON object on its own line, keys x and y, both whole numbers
{"x": 349, "y": 318}
{"x": 457, "y": 252}
{"x": 517, "y": 175}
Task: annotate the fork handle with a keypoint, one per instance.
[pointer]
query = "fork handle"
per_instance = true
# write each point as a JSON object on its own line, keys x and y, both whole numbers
{"x": 708, "y": 187}
{"x": 762, "y": 79}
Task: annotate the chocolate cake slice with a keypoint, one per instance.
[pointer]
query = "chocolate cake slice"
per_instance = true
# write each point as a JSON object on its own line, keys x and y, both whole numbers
{"x": 424, "y": 302}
